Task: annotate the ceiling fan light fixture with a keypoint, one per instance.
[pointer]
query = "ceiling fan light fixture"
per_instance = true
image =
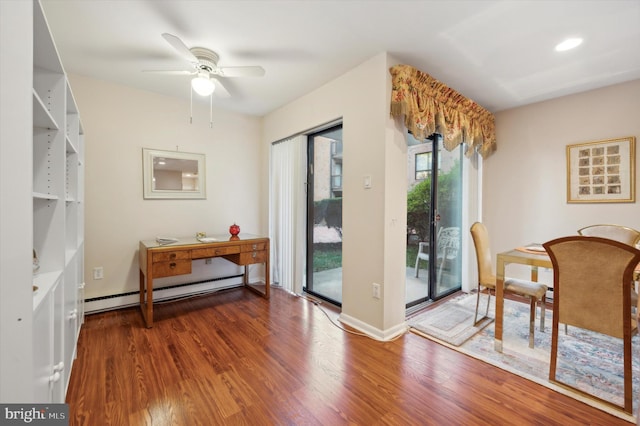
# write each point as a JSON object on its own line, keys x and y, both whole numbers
{"x": 203, "y": 85}
{"x": 568, "y": 44}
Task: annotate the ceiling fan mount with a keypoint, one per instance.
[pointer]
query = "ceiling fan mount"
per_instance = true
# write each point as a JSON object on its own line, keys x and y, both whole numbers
{"x": 207, "y": 59}
{"x": 204, "y": 65}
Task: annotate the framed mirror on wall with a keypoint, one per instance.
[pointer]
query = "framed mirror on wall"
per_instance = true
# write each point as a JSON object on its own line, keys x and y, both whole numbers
{"x": 173, "y": 175}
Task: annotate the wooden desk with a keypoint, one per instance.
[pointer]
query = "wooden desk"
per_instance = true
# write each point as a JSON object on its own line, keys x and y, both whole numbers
{"x": 157, "y": 261}
{"x": 513, "y": 256}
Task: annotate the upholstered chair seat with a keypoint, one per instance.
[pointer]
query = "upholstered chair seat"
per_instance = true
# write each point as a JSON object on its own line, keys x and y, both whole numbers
{"x": 534, "y": 291}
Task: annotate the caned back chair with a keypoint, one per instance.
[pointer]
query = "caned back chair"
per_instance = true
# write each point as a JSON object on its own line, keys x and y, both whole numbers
{"x": 624, "y": 234}
{"x": 535, "y": 292}
{"x": 592, "y": 280}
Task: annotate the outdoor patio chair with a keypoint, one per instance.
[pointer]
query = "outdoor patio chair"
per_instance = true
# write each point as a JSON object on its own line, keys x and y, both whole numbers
{"x": 448, "y": 247}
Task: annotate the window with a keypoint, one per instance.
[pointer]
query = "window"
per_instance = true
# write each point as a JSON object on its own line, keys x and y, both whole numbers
{"x": 336, "y": 169}
{"x": 423, "y": 165}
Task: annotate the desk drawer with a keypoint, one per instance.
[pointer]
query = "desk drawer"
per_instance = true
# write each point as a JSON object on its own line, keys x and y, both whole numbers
{"x": 248, "y": 258}
{"x": 214, "y": 251}
{"x": 167, "y": 256}
{"x": 168, "y": 269}
{"x": 254, "y": 247}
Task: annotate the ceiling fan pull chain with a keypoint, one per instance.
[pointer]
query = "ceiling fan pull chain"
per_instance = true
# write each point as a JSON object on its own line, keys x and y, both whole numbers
{"x": 190, "y": 105}
{"x": 211, "y": 111}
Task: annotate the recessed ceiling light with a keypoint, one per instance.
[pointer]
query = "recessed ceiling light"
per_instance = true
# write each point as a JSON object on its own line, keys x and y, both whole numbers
{"x": 568, "y": 44}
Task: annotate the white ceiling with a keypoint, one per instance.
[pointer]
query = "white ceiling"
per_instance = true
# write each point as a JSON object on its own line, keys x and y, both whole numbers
{"x": 498, "y": 53}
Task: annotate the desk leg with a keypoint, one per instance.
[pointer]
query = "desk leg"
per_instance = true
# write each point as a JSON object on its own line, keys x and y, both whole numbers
{"x": 146, "y": 301}
{"x": 141, "y": 290}
{"x": 499, "y": 304}
{"x": 149, "y": 305}
{"x": 267, "y": 283}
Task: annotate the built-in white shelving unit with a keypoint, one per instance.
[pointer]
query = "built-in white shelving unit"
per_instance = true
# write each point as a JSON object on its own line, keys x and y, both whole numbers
{"x": 43, "y": 324}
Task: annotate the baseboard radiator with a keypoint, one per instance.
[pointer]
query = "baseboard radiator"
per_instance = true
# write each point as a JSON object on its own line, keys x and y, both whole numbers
{"x": 162, "y": 294}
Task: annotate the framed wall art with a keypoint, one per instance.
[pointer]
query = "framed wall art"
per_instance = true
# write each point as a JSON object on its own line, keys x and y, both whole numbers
{"x": 602, "y": 171}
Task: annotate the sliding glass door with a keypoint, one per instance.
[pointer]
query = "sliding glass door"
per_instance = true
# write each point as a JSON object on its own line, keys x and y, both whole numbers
{"x": 434, "y": 219}
{"x": 324, "y": 215}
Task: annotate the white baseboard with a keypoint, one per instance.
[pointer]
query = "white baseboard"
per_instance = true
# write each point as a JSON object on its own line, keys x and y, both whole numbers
{"x": 373, "y": 332}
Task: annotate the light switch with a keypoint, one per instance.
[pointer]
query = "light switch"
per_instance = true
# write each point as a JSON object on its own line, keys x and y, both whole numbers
{"x": 367, "y": 181}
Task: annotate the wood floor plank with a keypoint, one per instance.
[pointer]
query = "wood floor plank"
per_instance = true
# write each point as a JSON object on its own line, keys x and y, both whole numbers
{"x": 234, "y": 358}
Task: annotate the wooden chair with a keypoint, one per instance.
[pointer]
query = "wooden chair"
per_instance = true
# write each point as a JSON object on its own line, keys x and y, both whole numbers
{"x": 592, "y": 280}
{"x": 535, "y": 292}
{"x": 625, "y": 235}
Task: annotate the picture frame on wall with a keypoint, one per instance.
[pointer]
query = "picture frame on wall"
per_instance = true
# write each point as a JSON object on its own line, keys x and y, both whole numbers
{"x": 602, "y": 171}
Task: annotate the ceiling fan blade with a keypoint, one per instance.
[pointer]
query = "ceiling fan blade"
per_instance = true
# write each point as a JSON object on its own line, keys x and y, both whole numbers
{"x": 182, "y": 49}
{"x": 171, "y": 71}
{"x": 221, "y": 91}
{"x": 254, "y": 71}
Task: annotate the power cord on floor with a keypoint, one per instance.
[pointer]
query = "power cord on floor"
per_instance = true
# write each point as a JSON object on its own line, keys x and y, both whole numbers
{"x": 317, "y": 303}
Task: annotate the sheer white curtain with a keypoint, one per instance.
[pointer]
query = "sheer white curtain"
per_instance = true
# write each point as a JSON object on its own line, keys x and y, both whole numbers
{"x": 286, "y": 215}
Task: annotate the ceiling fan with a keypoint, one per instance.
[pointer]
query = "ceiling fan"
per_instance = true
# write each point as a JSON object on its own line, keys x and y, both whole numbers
{"x": 204, "y": 65}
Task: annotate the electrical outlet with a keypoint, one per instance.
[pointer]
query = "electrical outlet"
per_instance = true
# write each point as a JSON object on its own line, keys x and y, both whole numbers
{"x": 376, "y": 291}
{"x": 207, "y": 261}
{"x": 98, "y": 273}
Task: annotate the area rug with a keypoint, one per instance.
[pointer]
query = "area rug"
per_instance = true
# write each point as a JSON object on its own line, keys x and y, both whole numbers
{"x": 588, "y": 361}
{"x": 451, "y": 322}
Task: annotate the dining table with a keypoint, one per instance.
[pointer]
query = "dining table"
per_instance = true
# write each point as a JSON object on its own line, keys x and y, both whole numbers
{"x": 536, "y": 257}
{"x": 533, "y": 255}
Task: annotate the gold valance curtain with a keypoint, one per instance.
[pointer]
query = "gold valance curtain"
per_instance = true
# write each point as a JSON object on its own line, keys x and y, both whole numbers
{"x": 430, "y": 106}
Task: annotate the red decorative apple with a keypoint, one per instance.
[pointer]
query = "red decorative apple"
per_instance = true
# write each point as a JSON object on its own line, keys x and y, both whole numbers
{"x": 234, "y": 229}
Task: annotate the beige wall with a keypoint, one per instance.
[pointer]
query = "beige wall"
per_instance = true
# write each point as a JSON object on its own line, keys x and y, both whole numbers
{"x": 523, "y": 196}
{"x": 524, "y": 190}
{"x": 118, "y": 122}
{"x": 374, "y": 219}
{"x": 524, "y": 183}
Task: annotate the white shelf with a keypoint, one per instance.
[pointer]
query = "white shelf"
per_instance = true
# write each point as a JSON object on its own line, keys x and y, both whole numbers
{"x": 45, "y": 282}
{"x": 57, "y": 152}
{"x": 69, "y": 255}
{"x": 42, "y": 196}
{"x": 42, "y": 118}
{"x": 71, "y": 149}
{"x": 36, "y": 324}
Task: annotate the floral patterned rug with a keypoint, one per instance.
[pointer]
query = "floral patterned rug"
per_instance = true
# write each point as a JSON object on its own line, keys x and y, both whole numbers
{"x": 589, "y": 361}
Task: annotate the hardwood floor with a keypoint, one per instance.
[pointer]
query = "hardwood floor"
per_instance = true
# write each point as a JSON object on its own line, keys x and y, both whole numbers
{"x": 234, "y": 358}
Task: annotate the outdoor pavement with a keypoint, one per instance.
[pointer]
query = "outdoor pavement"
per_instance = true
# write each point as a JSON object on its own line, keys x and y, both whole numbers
{"x": 329, "y": 283}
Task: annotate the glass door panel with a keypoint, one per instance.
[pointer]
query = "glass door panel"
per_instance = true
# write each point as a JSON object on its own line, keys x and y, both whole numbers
{"x": 447, "y": 270}
{"x": 324, "y": 215}
{"x": 434, "y": 212}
